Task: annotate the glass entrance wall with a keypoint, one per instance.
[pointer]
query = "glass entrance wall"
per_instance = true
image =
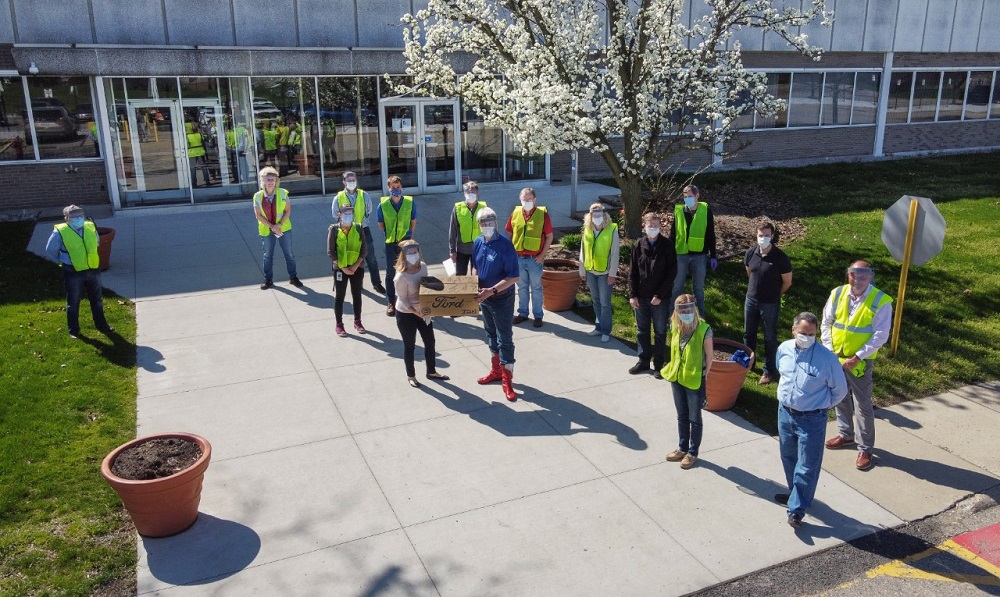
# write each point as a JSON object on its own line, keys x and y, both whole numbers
{"x": 284, "y": 121}
{"x": 482, "y": 149}
{"x": 438, "y": 144}
{"x": 401, "y": 144}
{"x": 348, "y": 131}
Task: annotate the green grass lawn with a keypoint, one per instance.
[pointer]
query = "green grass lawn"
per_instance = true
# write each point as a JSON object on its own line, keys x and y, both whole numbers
{"x": 66, "y": 404}
{"x": 950, "y": 334}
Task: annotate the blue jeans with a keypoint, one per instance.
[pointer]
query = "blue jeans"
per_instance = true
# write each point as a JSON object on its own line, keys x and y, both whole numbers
{"x": 688, "y": 403}
{"x": 529, "y": 282}
{"x": 370, "y": 260}
{"x": 391, "y": 255}
{"x": 656, "y": 315}
{"x": 754, "y": 314}
{"x": 76, "y": 283}
{"x": 286, "y": 249}
{"x": 600, "y": 292}
{"x": 697, "y": 264}
{"x": 498, "y": 316}
{"x": 800, "y": 441}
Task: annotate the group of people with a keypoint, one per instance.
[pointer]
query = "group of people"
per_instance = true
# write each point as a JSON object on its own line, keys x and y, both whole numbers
{"x": 812, "y": 377}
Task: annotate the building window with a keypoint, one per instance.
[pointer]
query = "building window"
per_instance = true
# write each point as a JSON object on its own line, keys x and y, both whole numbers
{"x": 977, "y": 100}
{"x": 926, "y": 86}
{"x": 838, "y": 93}
{"x": 899, "y": 97}
{"x": 778, "y": 85}
{"x": 62, "y": 110}
{"x": 14, "y": 128}
{"x": 348, "y": 130}
{"x": 806, "y": 94}
{"x": 482, "y": 148}
{"x": 280, "y": 106}
{"x": 953, "y": 85}
{"x": 866, "y": 87}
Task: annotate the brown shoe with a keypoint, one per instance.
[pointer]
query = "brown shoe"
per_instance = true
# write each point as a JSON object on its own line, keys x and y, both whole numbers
{"x": 864, "y": 461}
{"x": 390, "y": 311}
{"x": 676, "y": 456}
{"x": 519, "y": 319}
{"x": 764, "y": 379}
{"x": 688, "y": 461}
{"x": 839, "y": 442}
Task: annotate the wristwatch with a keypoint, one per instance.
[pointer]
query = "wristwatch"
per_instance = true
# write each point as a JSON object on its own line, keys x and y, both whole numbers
{"x": 494, "y": 289}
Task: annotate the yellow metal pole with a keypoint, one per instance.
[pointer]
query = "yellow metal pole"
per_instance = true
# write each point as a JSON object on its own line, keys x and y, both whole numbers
{"x": 907, "y": 252}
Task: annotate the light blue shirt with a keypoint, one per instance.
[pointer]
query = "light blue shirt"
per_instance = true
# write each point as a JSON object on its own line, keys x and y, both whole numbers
{"x": 811, "y": 379}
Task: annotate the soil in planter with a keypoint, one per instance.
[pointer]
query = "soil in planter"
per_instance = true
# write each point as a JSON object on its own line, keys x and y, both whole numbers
{"x": 562, "y": 268}
{"x": 724, "y": 352}
{"x": 155, "y": 459}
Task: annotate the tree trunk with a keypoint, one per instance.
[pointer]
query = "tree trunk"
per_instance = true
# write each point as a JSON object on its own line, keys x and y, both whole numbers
{"x": 633, "y": 202}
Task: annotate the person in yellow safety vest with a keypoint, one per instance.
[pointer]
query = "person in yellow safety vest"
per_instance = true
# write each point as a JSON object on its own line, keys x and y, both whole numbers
{"x": 330, "y": 139}
{"x": 347, "y": 246}
{"x": 73, "y": 245}
{"x": 236, "y": 142}
{"x": 274, "y": 224}
{"x": 361, "y": 203}
{"x": 694, "y": 242}
{"x": 196, "y": 154}
{"x": 691, "y": 355}
{"x": 857, "y": 320}
{"x": 530, "y": 230}
{"x": 463, "y": 227}
{"x": 599, "y": 245}
{"x": 269, "y": 139}
{"x": 282, "y": 131}
{"x": 294, "y": 141}
{"x": 397, "y": 217}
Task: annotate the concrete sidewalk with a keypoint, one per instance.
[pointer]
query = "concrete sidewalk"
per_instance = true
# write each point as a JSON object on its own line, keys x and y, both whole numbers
{"x": 332, "y": 476}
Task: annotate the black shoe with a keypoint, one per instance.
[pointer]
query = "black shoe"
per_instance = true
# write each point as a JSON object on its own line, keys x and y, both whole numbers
{"x": 656, "y": 373}
{"x": 537, "y": 323}
{"x": 295, "y": 282}
{"x": 795, "y": 520}
{"x": 519, "y": 319}
{"x": 106, "y": 330}
{"x": 267, "y": 284}
{"x": 781, "y": 498}
{"x": 639, "y": 368}
{"x": 378, "y": 288}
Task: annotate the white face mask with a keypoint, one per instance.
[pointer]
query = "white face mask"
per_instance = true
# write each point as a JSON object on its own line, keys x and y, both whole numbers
{"x": 487, "y": 231}
{"x": 652, "y": 232}
{"x": 686, "y": 317}
{"x": 763, "y": 241}
{"x": 804, "y": 341}
{"x": 351, "y": 185}
{"x": 347, "y": 219}
{"x": 597, "y": 220}
{"x": 471, "y": 198}
{"x": 528, "y": 205}
{"x": 413, "y": 258}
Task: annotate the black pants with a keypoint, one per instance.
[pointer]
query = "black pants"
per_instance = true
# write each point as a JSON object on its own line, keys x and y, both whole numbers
{"x": 357, "y": 280}
{"x": 409, "y": 324}
{"x": 462, "y": 264}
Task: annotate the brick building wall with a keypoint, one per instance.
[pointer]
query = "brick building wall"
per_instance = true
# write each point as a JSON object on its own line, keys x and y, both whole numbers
{"x": 939, "y": 136}
{"x": 777, "y": 145}
{"x": 41, "y": 185}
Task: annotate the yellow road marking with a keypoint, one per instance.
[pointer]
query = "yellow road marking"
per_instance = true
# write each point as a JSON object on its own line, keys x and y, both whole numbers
{"x": 904, "y": 568}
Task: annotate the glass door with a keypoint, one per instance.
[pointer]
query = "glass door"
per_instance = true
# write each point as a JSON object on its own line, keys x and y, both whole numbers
{"x": 153, "y": 131}
{"x": 420, "y": 145}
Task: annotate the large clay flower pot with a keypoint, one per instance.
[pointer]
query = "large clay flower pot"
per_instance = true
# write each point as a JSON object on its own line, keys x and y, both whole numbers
{"x": 106, "y": 235}
{"x": 725, "y": 378}
{"x": 559, "y": 287}
{"x": 165, "y": 506}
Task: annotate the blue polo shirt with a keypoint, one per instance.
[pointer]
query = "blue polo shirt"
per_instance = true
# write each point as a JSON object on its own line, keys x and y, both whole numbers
{"x": 495, "y": 260}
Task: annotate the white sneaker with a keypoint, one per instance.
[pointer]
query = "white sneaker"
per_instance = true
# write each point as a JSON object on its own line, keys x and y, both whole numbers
{"x": 594, "y": 332}
{"x": 605, "y": 338}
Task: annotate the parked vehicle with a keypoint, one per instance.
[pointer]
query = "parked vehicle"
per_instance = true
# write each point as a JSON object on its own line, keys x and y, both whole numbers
{"x": 51, "y": 122}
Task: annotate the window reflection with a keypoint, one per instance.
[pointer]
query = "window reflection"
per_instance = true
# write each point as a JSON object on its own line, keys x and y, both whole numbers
{"x": 978, "y": 98}
{"x": 899, "y": 97}
{"x": 925, "y": 96}
{"x": 62, "y": 109}
{"x": 347, "y": 130}
{"x": 778, "y": 85}
{"x": 838, "y": 94}
{"x": 14, "y": 128}
{"x": 482, "y": 149}
{"x": 866, "y": 88}
{"x": 953, "y": 85}
{"x": 806, "y": 91}
{"x": 284, "y": 130}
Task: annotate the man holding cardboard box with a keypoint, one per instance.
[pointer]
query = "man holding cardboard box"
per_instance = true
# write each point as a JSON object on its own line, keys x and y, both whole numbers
{"x": 495, "y": 263}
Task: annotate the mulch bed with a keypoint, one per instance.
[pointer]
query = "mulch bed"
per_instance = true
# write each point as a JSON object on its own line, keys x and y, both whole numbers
{"x": 155, "y": 459}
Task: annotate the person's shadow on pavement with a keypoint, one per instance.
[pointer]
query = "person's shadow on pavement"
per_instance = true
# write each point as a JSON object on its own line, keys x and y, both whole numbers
{"x": 318, "y": 300}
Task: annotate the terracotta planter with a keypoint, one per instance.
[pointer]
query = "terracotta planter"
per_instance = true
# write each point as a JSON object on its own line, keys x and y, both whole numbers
{"x": 725, "y": 378}
{"x": 166, "y": 506}
{"x": 559, "y": 288}
{"x": 106, "y": 235}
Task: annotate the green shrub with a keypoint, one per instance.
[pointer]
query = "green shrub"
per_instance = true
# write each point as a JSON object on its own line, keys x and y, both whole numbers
{"x": 571, "y": 242}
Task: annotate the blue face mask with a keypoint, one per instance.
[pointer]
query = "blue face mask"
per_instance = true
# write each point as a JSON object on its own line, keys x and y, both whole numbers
{"x": 686, "y": 317}
{"x": 689, "y": 201}
{"x": 76, "y": 223}
{"x": 396, "y": 192}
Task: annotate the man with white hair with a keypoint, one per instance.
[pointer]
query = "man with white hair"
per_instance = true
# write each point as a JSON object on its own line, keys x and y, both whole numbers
{"x": 495, "y": 263}
{"x": 73, "y": 245}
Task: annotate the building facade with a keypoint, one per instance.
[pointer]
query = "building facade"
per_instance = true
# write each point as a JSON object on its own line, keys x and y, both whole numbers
{"x": 151, "y": 102}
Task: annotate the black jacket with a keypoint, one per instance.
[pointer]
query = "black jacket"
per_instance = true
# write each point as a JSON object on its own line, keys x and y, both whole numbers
{"x": 652, "y": 269}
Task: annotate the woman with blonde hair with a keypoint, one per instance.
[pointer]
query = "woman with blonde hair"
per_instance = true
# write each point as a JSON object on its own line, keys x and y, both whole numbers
{"x": 409, "y": 270}
{"x": 599, "y": 265}
{"x": 691, "y": 354}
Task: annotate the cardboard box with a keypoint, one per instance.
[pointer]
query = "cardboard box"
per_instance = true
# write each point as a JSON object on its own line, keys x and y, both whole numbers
{"x": 449, "y": 295}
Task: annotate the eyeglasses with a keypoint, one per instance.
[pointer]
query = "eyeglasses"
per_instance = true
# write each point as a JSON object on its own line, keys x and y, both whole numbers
{"x": 863, "y": 271}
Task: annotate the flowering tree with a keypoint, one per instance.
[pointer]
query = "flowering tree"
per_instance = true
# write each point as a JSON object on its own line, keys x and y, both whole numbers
{"x": 628, "y": 79}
